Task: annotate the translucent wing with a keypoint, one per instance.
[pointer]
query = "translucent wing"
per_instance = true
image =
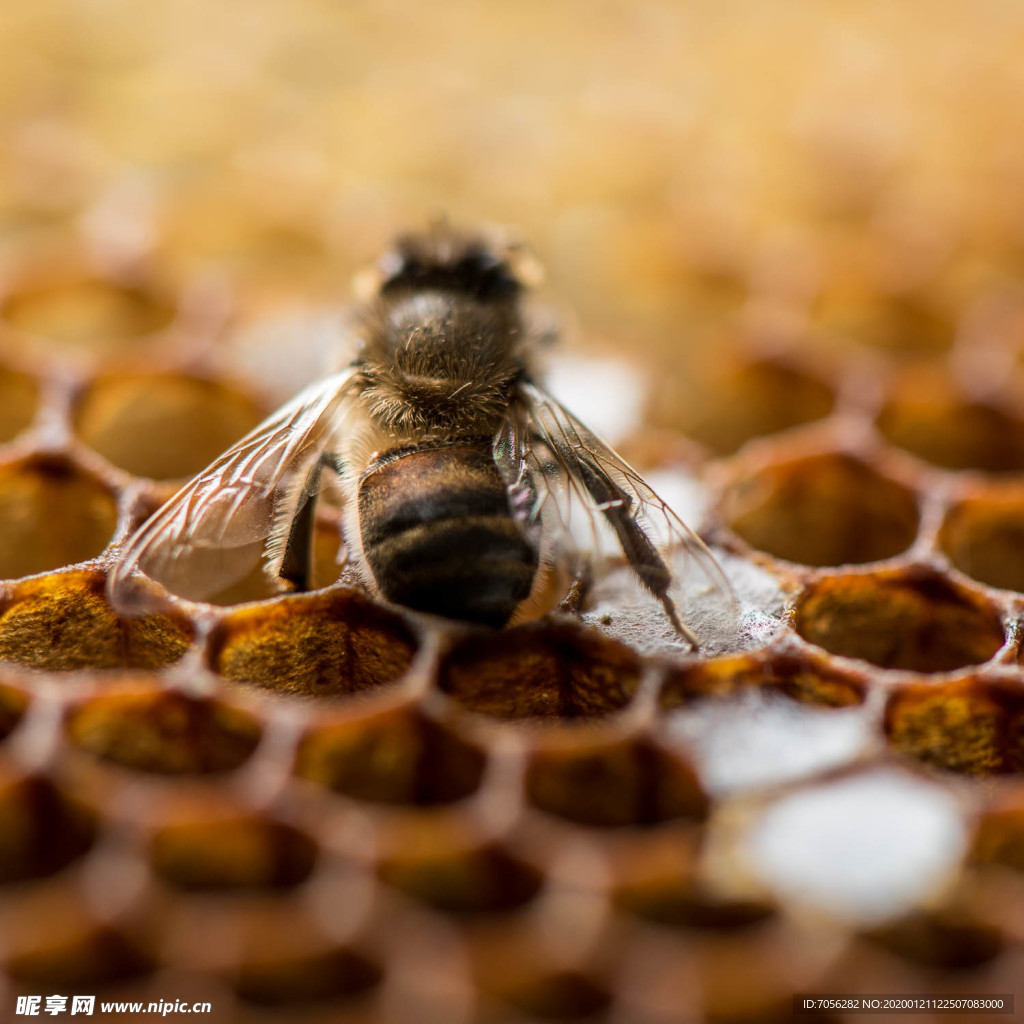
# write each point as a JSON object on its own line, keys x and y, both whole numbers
{"x": 552, "y": 462}
{"x": 236, "y": 512}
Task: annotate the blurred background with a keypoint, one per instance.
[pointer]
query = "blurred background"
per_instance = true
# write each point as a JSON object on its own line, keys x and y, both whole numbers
{"x": 842, "y": 170}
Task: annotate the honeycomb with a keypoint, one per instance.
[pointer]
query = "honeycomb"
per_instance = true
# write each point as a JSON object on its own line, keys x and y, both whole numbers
{"x": 784, "y": 244}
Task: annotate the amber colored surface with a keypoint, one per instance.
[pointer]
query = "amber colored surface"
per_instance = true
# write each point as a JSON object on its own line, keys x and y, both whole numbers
{"x": 164, "y": 732}
{"x": 52, "y": 515}
{"x": 340, "y": 644}
{"x": 915, "y": 621}
{"x": 802, "y": 228}
{"x": 542, "y": 672}
{"x": 65, "y": 622}
{"x": 162, "y": 426}
{"x": 823, "y": 510}
{"x": 85, "y": 313}
{"x": 395, "y": 757}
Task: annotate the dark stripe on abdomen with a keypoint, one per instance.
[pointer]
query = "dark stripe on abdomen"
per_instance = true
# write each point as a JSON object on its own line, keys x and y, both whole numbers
{"x": 439, "y": 537}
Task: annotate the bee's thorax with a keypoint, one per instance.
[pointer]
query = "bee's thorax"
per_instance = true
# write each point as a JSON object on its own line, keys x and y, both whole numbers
{"x": 440, "y": 362}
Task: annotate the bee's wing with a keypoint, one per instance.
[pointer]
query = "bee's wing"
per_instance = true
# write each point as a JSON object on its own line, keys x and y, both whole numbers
{"x": 550, "y": 459}
{"x": 219, "y": 526}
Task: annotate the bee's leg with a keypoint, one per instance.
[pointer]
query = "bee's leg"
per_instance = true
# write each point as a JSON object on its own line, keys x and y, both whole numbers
{"x": 638, "y": 548}
{"x": 582, "y": 579}
{"x": 297, "y": 562}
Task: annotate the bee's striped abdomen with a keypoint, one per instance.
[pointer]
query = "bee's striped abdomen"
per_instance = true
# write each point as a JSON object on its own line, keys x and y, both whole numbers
{"x": 438, "y": 535}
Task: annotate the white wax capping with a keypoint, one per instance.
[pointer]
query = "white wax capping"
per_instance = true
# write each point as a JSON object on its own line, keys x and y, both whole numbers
{"x": 761, "y": 739}
{"x": 620, "y": 606}
{"x": 866, "y": 848}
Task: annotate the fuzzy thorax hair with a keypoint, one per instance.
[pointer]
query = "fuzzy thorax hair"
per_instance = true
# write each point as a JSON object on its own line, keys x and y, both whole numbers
{"x": 439, "y": 362}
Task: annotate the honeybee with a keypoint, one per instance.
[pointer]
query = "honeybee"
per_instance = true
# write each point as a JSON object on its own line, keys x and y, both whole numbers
{"x": 458, "y": 471}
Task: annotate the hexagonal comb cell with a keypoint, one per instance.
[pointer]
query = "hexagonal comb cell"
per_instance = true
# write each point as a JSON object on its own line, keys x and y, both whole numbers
{"x": 811, "y": 681}
{"x": 681, "y": 904}
{"x": 42, "y": 829}
{"x": 273, "y": 257}
{"x": 163, "y": 731}
{"x": 930, "y": 418}
{"x": 540, "y": 671}
{"x": 78, "y": 312}
{"x": 13, "y": 704}
{"x": 392, "y": 757}
{"x": 657, "y": 881}
{"x": 612, "y": 783}
{"x": 456, "y": 873}
{"x": 736, "y": 401}
{"x": 82, "y": 952}
{"x": 162, "y": 425}
{"x": 860, "y": 306}
{"x": 966, "y": 726}
{"x": 999, "y": 838}
{"x": 948, "y": 940}
{"x": 79, "y": 959}
{"x": 333, "y": 973}
{"x": 321, "y": 644}
{"x": 905, "y": 619}
{"x": 556, "y": 995}
{"x": 309, "y": 966}
{"x": 51, "y": 515}
{"x": 983, "y": 537}
{"x": 828, "y": 509}
{"x": 228, "y": 848}
{"x": 19, "y": 398}
{"x": 64, "y": 621}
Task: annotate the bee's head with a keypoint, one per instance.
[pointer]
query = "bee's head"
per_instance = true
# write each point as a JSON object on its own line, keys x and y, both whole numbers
{"x": 486, "y": 266}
